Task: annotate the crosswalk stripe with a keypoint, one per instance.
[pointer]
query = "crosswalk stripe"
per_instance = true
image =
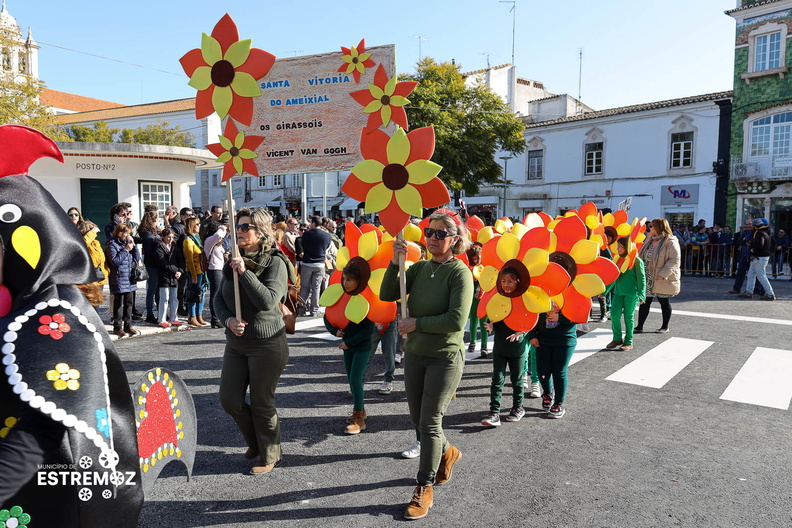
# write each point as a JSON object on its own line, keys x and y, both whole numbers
{"x": 745, "y": 318}
{"x": 308, "y": 323}
{"x": 763, "y": 380}
{"x": 327, "y": 336}
{"x": 591, "y": 343}
{"x": 660, "y": 364}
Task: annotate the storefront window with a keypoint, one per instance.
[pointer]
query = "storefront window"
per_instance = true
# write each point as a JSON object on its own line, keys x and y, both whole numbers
{"x": 679, "y": 217}
{"x": 752, "y": 208}
{"x": 781, "y": 214}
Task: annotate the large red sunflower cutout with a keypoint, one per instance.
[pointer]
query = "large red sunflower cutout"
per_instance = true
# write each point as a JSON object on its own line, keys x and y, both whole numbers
{"x": 356, "y": 60}
{"x": 528, "y": 253}
{"x": 384, "y": 100}
{"x": 225, "y": 71}
{"x": 236, "y": 151}
{"x": 364, "y": 251}
{"x": 588, "y": 271}
{"x": 396, "y": 178}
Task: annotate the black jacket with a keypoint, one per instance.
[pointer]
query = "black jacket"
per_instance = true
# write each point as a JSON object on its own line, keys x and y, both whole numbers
{"x": 761, "y": 243}
{"x": 167, "y": 265}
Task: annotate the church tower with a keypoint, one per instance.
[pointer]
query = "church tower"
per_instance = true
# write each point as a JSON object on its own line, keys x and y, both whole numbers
{"x": 18, "y": 56}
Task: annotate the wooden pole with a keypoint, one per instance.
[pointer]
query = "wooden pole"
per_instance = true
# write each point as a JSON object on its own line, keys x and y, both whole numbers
{"x": 234, "y": 248}
{"x": 402, "y": 279}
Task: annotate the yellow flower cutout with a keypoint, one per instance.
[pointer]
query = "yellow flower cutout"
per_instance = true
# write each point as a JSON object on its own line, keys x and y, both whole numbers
{"x": 356, "y": 60}
{"x": 8, "y": 424}
{"x": 64, "y": 377}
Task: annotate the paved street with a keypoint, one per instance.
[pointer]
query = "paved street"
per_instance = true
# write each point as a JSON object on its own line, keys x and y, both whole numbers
{"x": 697, "y": 432}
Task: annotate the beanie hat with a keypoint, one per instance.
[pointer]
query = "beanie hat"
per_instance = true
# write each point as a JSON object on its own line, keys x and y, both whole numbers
{"x": 759, "y": 222}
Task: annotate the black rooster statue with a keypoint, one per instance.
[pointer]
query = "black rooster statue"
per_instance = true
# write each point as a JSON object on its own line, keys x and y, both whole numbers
{"x": 68, "y": 451}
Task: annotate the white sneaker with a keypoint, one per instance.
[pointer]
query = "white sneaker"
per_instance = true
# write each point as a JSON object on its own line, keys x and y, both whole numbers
{"x": 397, "y": 358}
{"x": 536, "y": 390}
{"x": 386, "y": 387}
{"x": 414, "y": 451}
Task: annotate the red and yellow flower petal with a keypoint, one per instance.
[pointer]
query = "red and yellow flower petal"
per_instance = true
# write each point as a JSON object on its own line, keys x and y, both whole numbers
{"x": 367, "y": 245}
{"x": 357, "y": 308}
{"x": 335, "y": 313}
{"x": 554, "y": 280}
{"x": 568, "y": 231}
{"x": 378, "y": 198}
{"x": 331, "y": 295}
{"x": 203, "y": 103}
{"x": 589, "y": 284}
{"x": 498, "y": 307}
{"x": 225, "y": 32}
{"x": 488, "y": 278}
{"x": 421, "y": 172}
{"x": 258, "y": 64}
{"x": 481, "y": 311}
{"x": 201, "y": 78}
{"x": 379, "y": 310}
{"x": 433, "y": 194}
{"x": 536, "y": 261}
{"x": 249, "y": 166}
{"x": 343, "y": 257}
{"x": 536, "y": 300}
{"x": 507, "y": 247}
{"x": 393, "y": 218}
{"x": 576, "y": 307}
{"x": 222, "y": 99}
{"x": 585, "y": 251}
{"x": 520, "y": 319}
{"x": 191, "y": 61}
{"x": 489, "y": 254}
{"x": 242, "y": 109}
{"x": 603, "y": 267}
{"x": 422, "y": 144}
{"x": 409, "y": 200}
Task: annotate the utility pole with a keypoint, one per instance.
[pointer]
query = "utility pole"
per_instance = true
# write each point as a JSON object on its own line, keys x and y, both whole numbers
{"x": 505, "y": 180}
{"x": 420, "y": 38}
{"x": 513, "y": 11}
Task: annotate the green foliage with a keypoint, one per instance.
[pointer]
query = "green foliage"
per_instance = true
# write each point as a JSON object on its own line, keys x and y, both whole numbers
{"x": 471, "y": 125}
{"x": 159, "y": 134}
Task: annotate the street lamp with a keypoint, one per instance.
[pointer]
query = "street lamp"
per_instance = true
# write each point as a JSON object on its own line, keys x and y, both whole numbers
{"x": 505, "y": 180}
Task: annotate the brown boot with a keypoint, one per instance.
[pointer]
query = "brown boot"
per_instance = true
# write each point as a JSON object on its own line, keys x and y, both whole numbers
{"x": 422, "y": 500}
{"x": 259, "y": 468}
{"x": 201, "y": 321}
{"x": 349, "y": 418}
{"x": 358, "y": 423}
{"x": 192, "y": 321}
{"x": 447, "y": 461}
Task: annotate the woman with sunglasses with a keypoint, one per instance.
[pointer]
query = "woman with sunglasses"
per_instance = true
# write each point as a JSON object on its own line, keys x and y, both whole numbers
{"x": 192, "y": 248}
{"x": 256, "y": 350}
{"x": 75, "y": 215}
{"x": 439, "y": 305}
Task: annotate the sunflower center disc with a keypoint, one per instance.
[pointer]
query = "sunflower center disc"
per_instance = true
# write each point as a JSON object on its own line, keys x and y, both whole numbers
{"x": 385, "y": 100}
{"x": 395, "y": 176}
{"x": 222, "y": 73}
{"x": 233, "y": 151}
{"x": 354, "y": 60}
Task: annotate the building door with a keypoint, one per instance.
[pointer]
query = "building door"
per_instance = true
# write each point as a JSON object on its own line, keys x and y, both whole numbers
{"x": 96, "y": 199}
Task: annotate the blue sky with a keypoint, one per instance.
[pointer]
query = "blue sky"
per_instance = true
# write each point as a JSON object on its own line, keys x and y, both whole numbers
{"x": 633, "y": 51}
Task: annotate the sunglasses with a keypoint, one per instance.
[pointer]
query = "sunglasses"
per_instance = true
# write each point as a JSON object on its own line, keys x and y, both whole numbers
{"x": 244, "y": 227}
{"x": 437, "y": 233}
{"x": 74, "y": 214}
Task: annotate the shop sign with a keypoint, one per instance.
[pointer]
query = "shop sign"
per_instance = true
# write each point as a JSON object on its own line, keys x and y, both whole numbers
{"x": 679, "y": 194}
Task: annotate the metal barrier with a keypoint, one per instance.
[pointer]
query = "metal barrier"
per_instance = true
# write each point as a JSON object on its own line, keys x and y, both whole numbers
{"x": 718, "y": 260}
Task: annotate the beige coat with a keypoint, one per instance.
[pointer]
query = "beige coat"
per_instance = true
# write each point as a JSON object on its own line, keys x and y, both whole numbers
{"x": 664, "y": 263}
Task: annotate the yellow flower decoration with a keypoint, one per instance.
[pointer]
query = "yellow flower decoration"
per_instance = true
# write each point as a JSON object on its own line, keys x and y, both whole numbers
{"x": 8, "y": 424}
{"x": 64, "y": 377}
{"x": 356, "y": 60}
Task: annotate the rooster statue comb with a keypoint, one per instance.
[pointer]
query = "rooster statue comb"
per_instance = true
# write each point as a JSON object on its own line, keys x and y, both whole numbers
{"x": 64, "y": 395}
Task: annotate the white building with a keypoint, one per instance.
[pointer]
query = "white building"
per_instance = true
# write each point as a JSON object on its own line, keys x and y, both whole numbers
{"x": 660, "y": 155}
{"x": 21, "y": 58}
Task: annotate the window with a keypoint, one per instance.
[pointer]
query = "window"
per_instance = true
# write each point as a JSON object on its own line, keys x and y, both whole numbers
{"x": 22, "y": 64}
{"x": 5, "y": 57}
{"x": 535, "y": 164}
{"x": 594, "y": 153}
{"x": 157, "y": 193}
{"x": 262, "y": 181}
{"x": 772, "y": 136}
{"x": 767, "y": 54}
{"x": 277, "y": 180}
{"x": 682, "y": 150}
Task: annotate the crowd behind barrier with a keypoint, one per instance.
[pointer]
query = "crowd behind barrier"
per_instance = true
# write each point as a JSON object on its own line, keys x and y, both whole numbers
{"x": 720, "y": 260}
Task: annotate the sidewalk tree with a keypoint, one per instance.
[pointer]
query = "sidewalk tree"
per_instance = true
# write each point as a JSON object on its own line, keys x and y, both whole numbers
{"x": 159, "y": 134}
{"x": 471, "y": 124}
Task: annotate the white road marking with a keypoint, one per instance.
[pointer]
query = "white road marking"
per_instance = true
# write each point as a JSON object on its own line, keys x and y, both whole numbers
{"x": 763, "y": 380}
{"x": 309, "y": 323}
{"x": 729, "y": 317}
{"x": 658, "y": 366}
{"x": 591, "y": 343}
{"x": 327, "y": 336}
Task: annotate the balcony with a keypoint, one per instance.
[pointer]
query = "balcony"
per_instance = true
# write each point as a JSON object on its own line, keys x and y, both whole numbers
{"x": 292, "y": 193}
{"x": 761, "y": 168}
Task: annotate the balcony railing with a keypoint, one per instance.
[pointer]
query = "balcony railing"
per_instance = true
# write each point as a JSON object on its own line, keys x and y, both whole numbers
{"x": 761, "y": 168}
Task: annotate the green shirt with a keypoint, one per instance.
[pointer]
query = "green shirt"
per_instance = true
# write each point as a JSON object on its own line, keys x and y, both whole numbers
{"x": 631, "y": 283}
{"x": 440, "y": 305}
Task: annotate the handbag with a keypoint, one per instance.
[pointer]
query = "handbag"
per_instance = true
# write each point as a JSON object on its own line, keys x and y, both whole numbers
{"x": 138, "y": 272}
{"x": 289, "y": 308}
{"x": 193, "y": 293}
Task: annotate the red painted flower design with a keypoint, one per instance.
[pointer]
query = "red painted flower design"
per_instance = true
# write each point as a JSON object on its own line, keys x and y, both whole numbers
{"x": 236, "y": 151}
{"x": 396, "y": 178}
{"x": 54, "y": 326}
{"x": 225, "y": 71}
{"x": 356, "y": 60}
{"x": 384, "y": 100}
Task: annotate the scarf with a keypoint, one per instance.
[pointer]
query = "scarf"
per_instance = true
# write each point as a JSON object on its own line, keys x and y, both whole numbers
{"x": 197, "y": 240}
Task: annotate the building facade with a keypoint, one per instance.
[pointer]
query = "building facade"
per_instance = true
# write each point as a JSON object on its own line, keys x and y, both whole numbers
{"x": 761, "y": 134}
{"x": 657, "y": 157}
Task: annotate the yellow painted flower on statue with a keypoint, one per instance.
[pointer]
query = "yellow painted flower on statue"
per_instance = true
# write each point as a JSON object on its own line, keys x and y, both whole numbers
{"x": 525, "y": 253}
{"x": 64, "y": 377}
{"x": 356, "y": 60}
{"x": 225, "y": 71}
{"x": 369, "y": 258}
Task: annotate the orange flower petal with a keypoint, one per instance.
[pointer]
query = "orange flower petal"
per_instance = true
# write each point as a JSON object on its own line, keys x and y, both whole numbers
{"x": 380, "y": 77}
{"x": 352, "y": 234}
{"x": 375, "y": 146}
{"x": 405, "y": 88}
{"x": 422, "y": 144}
{"x": 553, "y": 281}
{"x": 434, "y": 193}
{"x": 383, "y": 256}
{"x": 520, "y": 319}
{"x": 576, "y": 306}
{"x": 399, "y": 116}
{"x": 568, "y": 231}
{"x": 393, "y": 218}
{"x": 203, "y": 103}
{"x": 604, "y": 267}
{"x": 379, "y": 310}
{"x": 538, "y": 237}
{"x": 225, "y": 32}
{"x": 228, "y": 171}
{"x": 363, "y": 97}
{"x": 241, "y": 109}
{"x": 191, "y": 61}
{"x": 489, "y": 254}
{"x": 258, "y": 64}
{"x": 250, "y": 167}
{"x": 356, "y": 188}
{"x": 587, "y": 209}
{"x": 335, "y": 314}
{"x": 481, "y": 312}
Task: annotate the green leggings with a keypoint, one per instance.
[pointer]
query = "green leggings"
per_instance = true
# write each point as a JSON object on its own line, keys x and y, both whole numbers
{"x": 530, "y": 363}
{"x": 516, "y": 367}
{"x": 430, "y": 384}
{"x": 477, "y": 324}
{"x": 623, "y": 304}
{"x": 355, "y": 361}
{"x": 552, "y": 361}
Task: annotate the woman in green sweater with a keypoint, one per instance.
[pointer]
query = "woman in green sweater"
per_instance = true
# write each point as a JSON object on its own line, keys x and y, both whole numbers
{"x": 629, "y": 290}
{"x": 256, "y": 349}
{"x": 442, "y": 290}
